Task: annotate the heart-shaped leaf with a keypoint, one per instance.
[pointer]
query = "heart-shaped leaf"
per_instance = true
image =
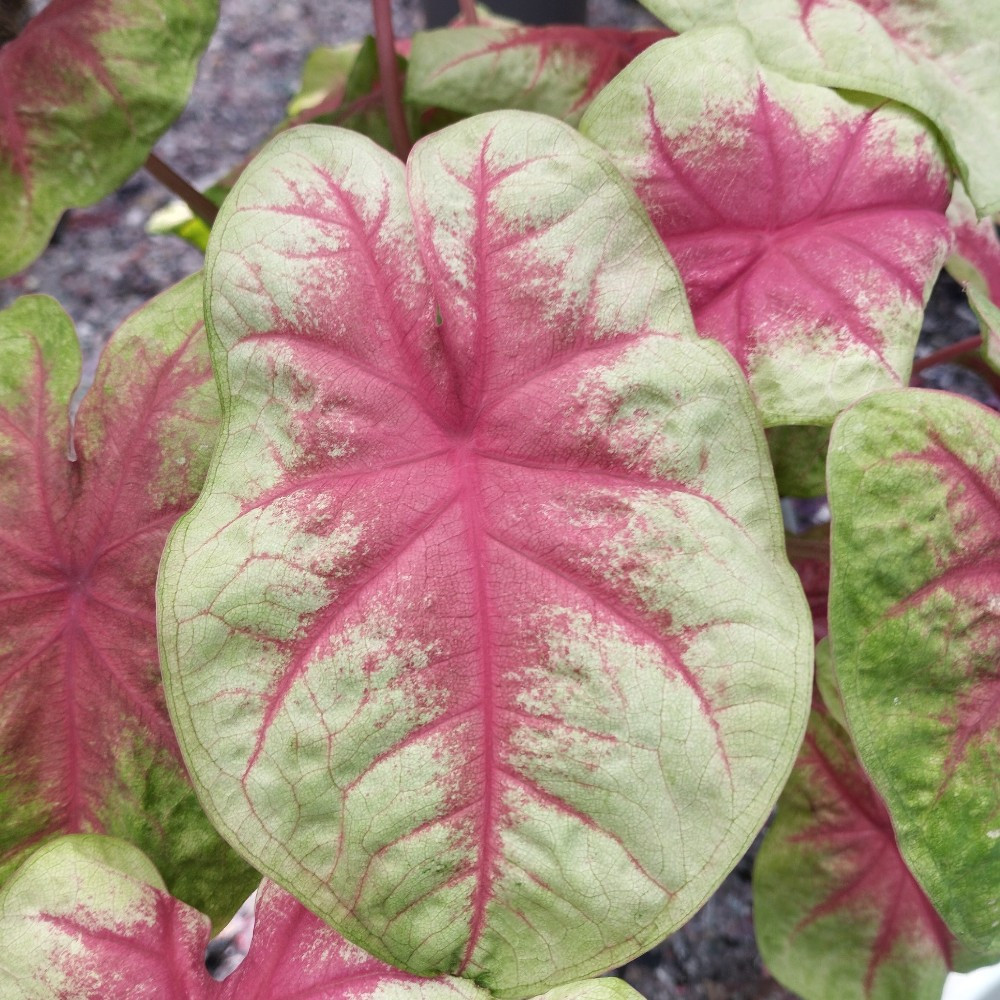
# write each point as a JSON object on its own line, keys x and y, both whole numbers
{"x": 940, "y": 57}
{"x": 481, "y": 638}
{"x": 85, "y": 742}
{"x": 838, "y": 914}
{"x": 85, "y": 91}
{"x": 915, "y": 625}
{"x": 808, "y": 228}
{"x": 556, "y": 69}
{"x": 88, "y": 918}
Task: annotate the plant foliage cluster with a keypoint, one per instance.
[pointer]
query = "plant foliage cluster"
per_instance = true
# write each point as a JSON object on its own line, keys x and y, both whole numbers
{"x": 424, "y": 554}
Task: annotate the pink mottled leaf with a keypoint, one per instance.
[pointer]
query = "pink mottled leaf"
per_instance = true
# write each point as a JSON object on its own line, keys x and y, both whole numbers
{"x": 808, "y": 228}
{"x": 88, "y": 918}
{"x": 915, "y": 626}
{"x": 85, "y": 742}
{"x": 556, "y": 69}
{"x": 838, "y": 914}
{"x": 480, "y": 639}
{"x": 85, "y": 91}
{"x": 939, "y": 57}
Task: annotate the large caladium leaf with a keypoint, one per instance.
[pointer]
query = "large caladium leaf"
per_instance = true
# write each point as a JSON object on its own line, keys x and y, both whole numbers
{"x": 838, "y": 914}
{"x": 940, "y": 57}
{"x": 915, "y": 624}
{"x": 481, "y": 638}
{"x": 85, "y": 91}
{"x": 85, "y": 742}
{"x": 89, "y": 918}
{"x": 808, "y": 228}
{"x": 555, "y": 69}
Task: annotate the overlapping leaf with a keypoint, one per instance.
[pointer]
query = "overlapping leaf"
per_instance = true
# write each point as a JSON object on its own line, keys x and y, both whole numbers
{"x": 975, "y": 261}
{"x": 798, "y": 455}
{"x": 838, "y": 914}
{"x": 940, "y": 57}
{"x": 89, "y": 918}
{"x": 85, "y": 91}
{"x": 85, "y": 742}
{"x": 480, "y": 638}
{"x": 556, "y": 69}
{"x": 808, "y": 228}
{"x": 915, "y": 625}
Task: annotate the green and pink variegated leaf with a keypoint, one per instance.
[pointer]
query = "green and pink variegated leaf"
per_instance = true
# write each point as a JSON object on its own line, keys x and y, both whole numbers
{"x": 556, "y": 70}
{"x": 915, "y": 625}
{"x": 481, "y": 638}
{"x": 808, "y": 228}
{"x": 939, "y": 57}
{"x": 85, "y": 91}
{"x": 837, "y": 913}
{"x": 89, "y": 918}
{"x": 85, "y": 742}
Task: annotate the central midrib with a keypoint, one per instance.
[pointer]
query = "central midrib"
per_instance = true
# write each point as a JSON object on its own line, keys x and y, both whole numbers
{"x": 467, "y": 477}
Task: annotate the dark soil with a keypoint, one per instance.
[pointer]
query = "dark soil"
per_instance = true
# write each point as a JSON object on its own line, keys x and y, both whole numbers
{"x": 102, "y": 266}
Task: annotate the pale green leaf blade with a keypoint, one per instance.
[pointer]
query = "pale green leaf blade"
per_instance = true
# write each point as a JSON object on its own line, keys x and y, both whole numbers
{"x": 605, "y": 988}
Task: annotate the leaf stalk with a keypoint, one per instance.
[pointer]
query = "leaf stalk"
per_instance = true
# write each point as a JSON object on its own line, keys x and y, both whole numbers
{"x": 173, "y": 182}
{"x": 392, "y": 83}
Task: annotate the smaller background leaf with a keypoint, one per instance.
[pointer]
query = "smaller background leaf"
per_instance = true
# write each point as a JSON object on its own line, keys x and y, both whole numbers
{"x": 838, "y": 914}
{"x": 87, "y": 88}
{"x": 915, "y": 626}
{"x": 556, "y": 70}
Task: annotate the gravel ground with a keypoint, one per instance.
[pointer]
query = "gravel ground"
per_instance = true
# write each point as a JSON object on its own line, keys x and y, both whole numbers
{"x": 102, "y": 266}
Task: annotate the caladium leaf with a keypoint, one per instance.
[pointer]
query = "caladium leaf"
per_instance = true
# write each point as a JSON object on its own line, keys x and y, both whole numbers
{"x": 86, "y": 89}
{"x": 975, "y": 261}
{"x": 556, "y": 69}
{"x": 798, "y": 454}
{"x": 837, "y": 913}
{"x": 914, "y": 492}
{"x": 939, "y": 57}
{"x": 480, "y": 639}
{"x": 89, "y": 917}
{"x": 85, "y": 742}
{"x": 808, "y": 228}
